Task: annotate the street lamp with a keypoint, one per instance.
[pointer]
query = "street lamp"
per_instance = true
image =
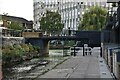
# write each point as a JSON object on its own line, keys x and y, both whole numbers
{"x": 69, "y": 31}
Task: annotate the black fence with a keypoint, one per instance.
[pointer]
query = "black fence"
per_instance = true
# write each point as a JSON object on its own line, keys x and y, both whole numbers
{"x": 11, "y": 33}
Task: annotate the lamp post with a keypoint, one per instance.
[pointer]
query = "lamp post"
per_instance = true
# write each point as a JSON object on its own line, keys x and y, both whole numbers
{"x": 83, "y": 50}
{"x": 69, "y": 31}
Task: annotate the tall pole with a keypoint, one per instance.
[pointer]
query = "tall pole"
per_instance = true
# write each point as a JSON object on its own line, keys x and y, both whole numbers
{"x": 74, "y": 52}
{"x": 83, "y": 50}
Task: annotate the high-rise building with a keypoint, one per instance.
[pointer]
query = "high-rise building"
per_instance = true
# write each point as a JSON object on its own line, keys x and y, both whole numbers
{"x": 70, "y": 10}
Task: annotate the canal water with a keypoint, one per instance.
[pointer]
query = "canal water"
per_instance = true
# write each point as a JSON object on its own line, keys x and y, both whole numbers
{"x": 34, "y": 67}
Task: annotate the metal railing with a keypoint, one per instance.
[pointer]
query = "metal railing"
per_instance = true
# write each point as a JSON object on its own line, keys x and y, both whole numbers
{"x": 11, "y": 33}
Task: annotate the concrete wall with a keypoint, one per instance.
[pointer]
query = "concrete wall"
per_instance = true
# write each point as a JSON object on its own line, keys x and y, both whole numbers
{"x": 31, "y": 34}
{"x": 12, "y": 40}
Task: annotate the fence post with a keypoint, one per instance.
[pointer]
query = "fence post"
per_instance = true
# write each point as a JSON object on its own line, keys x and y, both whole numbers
{"x": 83, "y": 51}
{"x": 74, "y": 51}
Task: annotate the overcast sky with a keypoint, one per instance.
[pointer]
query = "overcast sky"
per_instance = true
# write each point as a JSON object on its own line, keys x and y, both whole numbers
{"x": 19, "y": 8}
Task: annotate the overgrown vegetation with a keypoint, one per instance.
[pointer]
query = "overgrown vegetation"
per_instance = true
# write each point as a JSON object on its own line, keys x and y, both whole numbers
{"x": 19, "y": 52}
{"x": 15, "y": 26}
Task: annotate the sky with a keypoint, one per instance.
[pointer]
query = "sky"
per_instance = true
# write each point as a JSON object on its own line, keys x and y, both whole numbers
{"x": 19, "y": 8}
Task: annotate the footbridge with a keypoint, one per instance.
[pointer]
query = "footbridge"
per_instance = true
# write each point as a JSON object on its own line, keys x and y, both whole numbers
{"x": 92, "y": 38}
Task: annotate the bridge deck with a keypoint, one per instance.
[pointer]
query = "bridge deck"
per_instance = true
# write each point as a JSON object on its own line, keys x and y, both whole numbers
{"x": 62, "y": 38}
{"x": 85, "y": 40}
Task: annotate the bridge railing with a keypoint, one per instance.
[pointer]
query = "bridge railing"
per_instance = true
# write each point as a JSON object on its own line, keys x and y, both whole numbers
{"x": 77, "y": 50}
{"x": 11, "y": 33}
{"x": 87, "y": 50}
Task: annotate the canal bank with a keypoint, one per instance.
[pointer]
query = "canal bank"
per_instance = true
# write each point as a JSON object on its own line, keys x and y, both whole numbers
{"x": 34, "y": 67}
{"x": 41, "y": 70}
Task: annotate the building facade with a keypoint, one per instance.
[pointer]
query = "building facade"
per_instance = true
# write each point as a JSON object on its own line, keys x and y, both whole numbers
{"x": 6, "y": 19}
{"x": 71, "y": 10}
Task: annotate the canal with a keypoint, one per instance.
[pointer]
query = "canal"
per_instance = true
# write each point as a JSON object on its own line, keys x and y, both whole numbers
{"x": 35, "y": 67}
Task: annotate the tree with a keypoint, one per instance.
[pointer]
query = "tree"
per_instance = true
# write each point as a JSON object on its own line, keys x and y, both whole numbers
{"x": 93, "y": 19}
{"x": 15, "y": 26}
{"x": 51, "y": 22}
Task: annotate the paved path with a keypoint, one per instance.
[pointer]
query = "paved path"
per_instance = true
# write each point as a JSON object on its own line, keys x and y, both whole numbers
{"x": 90, "y": 66}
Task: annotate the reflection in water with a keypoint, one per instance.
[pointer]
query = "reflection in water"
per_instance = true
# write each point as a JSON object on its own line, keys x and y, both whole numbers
{"x": 56, "y": 52}
{"x": 34, "y": 66}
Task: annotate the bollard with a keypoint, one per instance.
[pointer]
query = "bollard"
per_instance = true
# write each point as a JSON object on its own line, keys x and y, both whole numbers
{"x": 83, "y": 51}
{"x": 74, "y": 51}
{"x": 100, "y": 51}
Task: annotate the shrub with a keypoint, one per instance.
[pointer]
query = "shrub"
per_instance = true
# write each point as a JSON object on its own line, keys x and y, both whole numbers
{"x": 17, "y": 46}
{"x": 6, "y": 54}
{"x": 22, "y": 51}
{"x": 19, "y": 51}
{"x": 25, "y": 47}
{"x": 13, "y": 54}
{"x": 31, "y": 49}
{"x": 36, "y": 48}
{"x": 16, "y": 52}
{"x": 10, "y": 47}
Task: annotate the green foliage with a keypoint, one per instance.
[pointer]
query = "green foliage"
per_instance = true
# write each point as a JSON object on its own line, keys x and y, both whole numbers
{"x": 11, "y": 47}
{"x": 6, "y": 54}
{"x": 93, "y": 19}
{"x": 69, "y": 43}
{"x": 8, "y": 46}
{"x": 15, "y": 25}
{"x": 17, "y": 46}
{"x": 25, "y": 47}
{"x": 36, "y": 48}
{"x": 14, "y": 53}
{"x": 6, "y": 51}
{"x": 31, "y": 49}
{"x": 9, "y": 54}
{"x": 51, "y": 22}
{"x": 17, "y": 51}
